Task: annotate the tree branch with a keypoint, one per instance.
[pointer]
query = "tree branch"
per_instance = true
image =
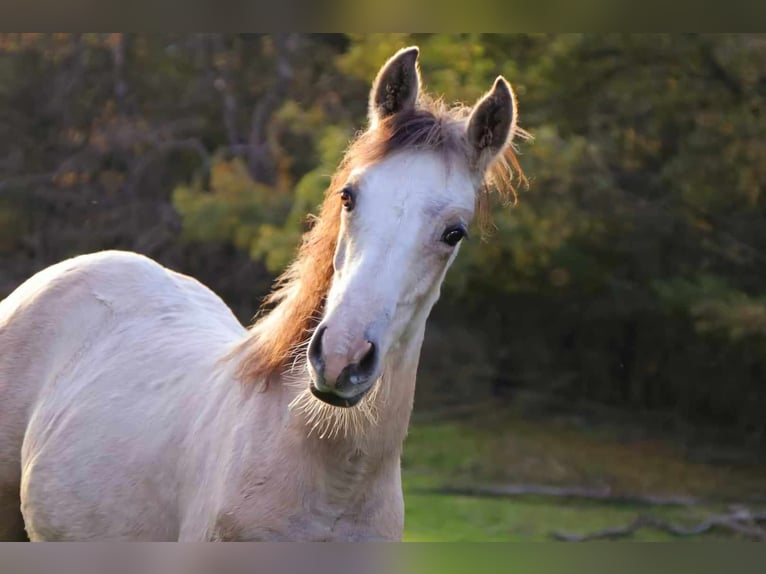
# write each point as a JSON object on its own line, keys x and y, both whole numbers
{"x": 162, "y": 149}
{"x": 224, "y": 84}
{"x": 740, "y": 521}
{"x": 118, "y": 51}
{"x": 260, "y": 158}
{"x": 719, "y": 72}
{"x": 574, "y": 492}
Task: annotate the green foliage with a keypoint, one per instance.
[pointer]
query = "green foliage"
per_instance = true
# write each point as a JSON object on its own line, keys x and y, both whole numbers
{"x": 452, "y": 65}
{"x": 277, "y": 244}
{"x": 630, "y": 271}
{"x": 235, "y": 209}
{"x": 716, "y": 307}
{"x": 509, "y": 449}
{"x": 12, "y": 224}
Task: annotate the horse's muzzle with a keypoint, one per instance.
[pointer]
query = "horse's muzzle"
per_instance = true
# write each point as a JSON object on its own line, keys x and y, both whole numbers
{"x": 349, "y": 386}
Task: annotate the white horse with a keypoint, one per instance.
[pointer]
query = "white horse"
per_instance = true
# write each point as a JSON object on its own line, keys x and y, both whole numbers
{"x": 133, "y": 405}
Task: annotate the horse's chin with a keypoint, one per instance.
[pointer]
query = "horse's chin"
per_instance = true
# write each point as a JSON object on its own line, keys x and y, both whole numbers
{"x": 336, "y": 400}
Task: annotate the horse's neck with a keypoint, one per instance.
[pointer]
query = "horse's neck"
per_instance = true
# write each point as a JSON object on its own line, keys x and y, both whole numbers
{"x": 274, "y": 470}
{"x": 353, "y": 479}
{"x": 354, "y": 475}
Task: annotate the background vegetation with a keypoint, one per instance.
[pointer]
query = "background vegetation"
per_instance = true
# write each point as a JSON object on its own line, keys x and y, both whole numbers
{"x": 629, "y": 278}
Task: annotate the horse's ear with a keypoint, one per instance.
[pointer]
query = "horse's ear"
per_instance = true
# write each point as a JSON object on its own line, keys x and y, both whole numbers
{"x": 492, "y": 122}
{"x": 396, "y": 87}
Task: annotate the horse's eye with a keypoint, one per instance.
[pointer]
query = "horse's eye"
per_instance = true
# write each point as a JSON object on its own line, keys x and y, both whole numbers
{"x": 453, "y": 235}
{"x": 347, "y": 198}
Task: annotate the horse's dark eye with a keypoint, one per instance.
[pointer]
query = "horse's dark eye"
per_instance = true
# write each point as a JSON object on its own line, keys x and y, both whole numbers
{"x": 453, "y": 236}
{"x": 347, "y": 198}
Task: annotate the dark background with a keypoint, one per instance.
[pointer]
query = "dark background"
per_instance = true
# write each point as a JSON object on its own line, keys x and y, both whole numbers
{"x": 629, "y": 276}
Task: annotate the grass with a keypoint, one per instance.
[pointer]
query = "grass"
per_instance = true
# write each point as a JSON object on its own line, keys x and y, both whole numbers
{"x": 507, "y": 448}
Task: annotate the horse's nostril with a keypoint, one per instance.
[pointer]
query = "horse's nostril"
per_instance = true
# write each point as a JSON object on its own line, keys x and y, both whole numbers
{"x": 367, "y": 364}
{"x": 315, "y": 350}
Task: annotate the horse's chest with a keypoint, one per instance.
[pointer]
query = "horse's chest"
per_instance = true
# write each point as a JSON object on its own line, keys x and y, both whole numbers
{"x": 303, "y": 525}
{"x": 296, "y": 514}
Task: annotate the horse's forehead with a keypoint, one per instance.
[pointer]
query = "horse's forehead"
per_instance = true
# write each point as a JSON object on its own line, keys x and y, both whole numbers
{"x": 420, "y": 175}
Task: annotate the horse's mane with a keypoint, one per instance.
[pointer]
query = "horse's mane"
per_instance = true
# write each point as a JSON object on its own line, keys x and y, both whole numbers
{"x": 294, "y": 308}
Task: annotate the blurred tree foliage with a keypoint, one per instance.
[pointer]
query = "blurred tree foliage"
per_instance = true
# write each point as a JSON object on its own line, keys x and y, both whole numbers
{"x": 630, "y": 273}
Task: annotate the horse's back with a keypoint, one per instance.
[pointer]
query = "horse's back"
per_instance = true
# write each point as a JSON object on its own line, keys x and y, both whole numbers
{"x": 95, "y": 359}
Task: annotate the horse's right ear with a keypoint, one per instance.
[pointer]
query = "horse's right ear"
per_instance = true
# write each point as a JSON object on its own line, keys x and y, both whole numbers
{"x": 396, "y": 87}
{"x": 492, "y": 123}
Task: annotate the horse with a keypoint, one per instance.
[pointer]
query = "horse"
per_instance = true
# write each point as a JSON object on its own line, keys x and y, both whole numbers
{"x": 135, "y": 406}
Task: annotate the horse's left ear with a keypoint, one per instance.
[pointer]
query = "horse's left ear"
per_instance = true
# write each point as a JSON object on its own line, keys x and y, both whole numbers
{"x": 396, "y": 87}
{"x": 492, "y": 122}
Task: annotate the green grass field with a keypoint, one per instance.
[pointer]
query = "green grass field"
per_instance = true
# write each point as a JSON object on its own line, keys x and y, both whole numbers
{"x": 506, "y": 449}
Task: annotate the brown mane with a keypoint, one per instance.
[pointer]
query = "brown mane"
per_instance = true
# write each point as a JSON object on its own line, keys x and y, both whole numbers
{"x": 294, "y": 307}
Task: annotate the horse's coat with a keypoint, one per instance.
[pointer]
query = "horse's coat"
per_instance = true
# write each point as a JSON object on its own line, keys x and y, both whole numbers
{"x": 133, "y": 405}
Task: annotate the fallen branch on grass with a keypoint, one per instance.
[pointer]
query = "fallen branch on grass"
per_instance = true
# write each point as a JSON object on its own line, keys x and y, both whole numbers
{"x": 572, "y": 492}
{"x": 741, "y": 521}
